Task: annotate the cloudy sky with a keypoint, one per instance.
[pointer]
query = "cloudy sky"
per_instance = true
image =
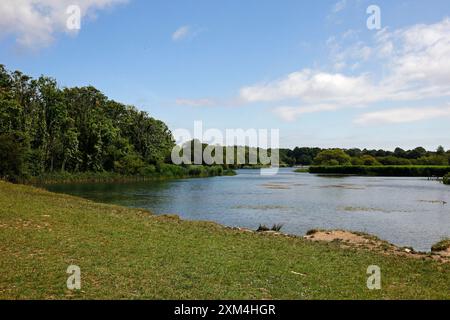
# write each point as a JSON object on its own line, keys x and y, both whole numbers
{"x": 312, "y": 69}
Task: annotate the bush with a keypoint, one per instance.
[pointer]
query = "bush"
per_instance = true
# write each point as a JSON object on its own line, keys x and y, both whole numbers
{"x": 441, "y": 245}
{"x": 446, "y": 179}
{"x": 264, "y": 228}
{"x": 171, "y": 170}
{"x": 368, "y": 160}
{"x": 131, "y": 164}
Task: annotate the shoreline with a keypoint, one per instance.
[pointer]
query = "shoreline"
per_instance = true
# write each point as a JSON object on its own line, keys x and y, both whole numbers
{"x": 110, "y": 177}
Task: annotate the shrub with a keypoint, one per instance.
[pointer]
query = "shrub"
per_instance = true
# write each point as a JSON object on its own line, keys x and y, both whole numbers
{"x": 277, "y": 227}
{"x": 368, "y": 160}
{"x": 394, "y": 161}
{"x": 312, "y": 231}
{"x": 446, "y": 179}
{"x": 441, "y": 245}
{"x": 131, "y": 164}
{"x": 264, "y": 228}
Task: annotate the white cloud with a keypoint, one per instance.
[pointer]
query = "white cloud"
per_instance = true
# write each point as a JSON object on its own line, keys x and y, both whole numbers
{"x": 402, "y": 115}
{"x": 290, "y": 114}
{"x": 34, "y": 23}
{"x": 416, "y": 60}
{"x": 195, "y": 102}
{"x": 419, "y": 54}
{"x": 339, "y": 6}
{"x": 181, "y": 33}
{"x": 312, "y": 86}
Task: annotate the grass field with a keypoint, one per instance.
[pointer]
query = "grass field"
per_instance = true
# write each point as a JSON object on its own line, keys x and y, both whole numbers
{"x": 130, "y": 254}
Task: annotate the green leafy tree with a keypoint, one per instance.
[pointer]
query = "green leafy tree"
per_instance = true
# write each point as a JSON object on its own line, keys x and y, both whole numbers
{"x": 332, "y": 157}
{"x": 368, "y": 160}
{"x": 12, "y": 156}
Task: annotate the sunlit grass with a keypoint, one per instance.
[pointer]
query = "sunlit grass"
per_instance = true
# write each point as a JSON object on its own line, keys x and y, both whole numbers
{"x": 131, "y": 254}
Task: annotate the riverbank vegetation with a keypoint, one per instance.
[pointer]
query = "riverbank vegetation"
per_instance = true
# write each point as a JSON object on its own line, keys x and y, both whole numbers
{"x": 387, "y": 171}
{"x": 162, "y": 172}
{"x": 365, "y": 157}
{"x": 131, "y": 254}
{"x": 338, "y": 161}
{"x": 48, "y": 132}
{"x": 442, "y": 245}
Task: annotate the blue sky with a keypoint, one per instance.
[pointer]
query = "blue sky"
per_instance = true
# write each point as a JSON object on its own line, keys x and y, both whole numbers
{"x": 309, "y": 68}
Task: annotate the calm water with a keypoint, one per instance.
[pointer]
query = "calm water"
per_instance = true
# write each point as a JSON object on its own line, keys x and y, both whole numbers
{"x": 404, "y": 211}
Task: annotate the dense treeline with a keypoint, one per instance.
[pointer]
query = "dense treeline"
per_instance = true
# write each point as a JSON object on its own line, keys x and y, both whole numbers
{"x": 358, "y": 157}
{"x": 386, "y": 171}
{"x": 45, "y": 129}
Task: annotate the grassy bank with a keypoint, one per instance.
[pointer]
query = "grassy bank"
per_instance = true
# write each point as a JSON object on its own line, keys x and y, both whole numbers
{"x": 152, "y": 173}
{"x": 388, "y": 171}
{"x": 128, "y": 253}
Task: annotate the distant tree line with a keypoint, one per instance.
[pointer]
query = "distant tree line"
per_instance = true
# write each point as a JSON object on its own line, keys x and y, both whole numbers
{"x": 365, "y": 157}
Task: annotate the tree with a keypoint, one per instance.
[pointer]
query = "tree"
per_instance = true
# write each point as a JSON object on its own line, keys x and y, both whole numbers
{"x": 440, "y": 150}
{"x": 400, "y": 153}
{"x": 368, "y": 160}
{"x": 76, "y": 129}
{"x": 12, "y": 155}
{"x": 332, "y": 157}
{"x": 416, "y": 153}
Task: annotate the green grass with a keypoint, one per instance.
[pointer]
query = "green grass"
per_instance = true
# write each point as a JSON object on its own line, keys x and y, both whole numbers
{"x": 389, "y": 171}
{"x": 130, "y": 254}
{"x": 302, "y": 170}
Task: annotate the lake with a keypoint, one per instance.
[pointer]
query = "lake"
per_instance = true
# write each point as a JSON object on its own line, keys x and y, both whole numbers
{"x": 404, "y": 211}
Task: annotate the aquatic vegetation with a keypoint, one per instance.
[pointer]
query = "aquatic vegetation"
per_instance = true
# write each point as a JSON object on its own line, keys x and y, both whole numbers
{"x": 262, "y": 207}
{"x": 275, "y": 227}
{"x": 363, "y": 209}
{"x": 276, "y": 186}
{"x": 343, "y": 186}
{"x": 434, "y": 201}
